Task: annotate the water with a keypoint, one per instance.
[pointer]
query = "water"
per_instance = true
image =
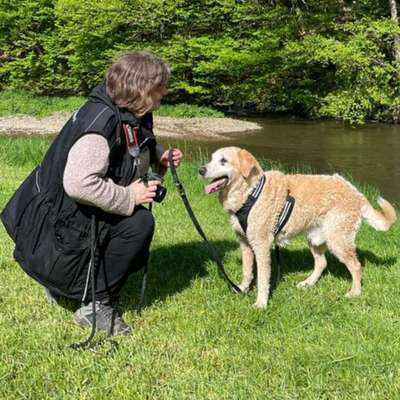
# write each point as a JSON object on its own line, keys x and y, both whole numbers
{"x": 369, "y": 153}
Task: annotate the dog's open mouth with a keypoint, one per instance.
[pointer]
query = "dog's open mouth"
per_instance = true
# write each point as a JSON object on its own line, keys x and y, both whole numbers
{"x": 216, "y": 185}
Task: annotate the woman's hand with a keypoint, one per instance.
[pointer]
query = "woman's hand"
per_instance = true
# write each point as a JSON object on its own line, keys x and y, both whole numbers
{"x": 144, "y": 191}
{"x": 177, "y": 156}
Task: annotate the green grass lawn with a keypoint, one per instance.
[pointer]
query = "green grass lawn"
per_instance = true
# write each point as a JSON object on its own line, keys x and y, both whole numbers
{"x": 195, "y": 339}
{"x": 20, "y": 102}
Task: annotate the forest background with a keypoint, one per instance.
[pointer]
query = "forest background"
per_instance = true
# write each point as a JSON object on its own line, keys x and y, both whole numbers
{"x": 313, "y": 58}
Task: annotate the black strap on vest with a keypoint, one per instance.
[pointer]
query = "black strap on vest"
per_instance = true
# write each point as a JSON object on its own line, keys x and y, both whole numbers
{"x": 284, "y": 215}
{"x": 243, "y": 213}
{"x": 211, "y": 248}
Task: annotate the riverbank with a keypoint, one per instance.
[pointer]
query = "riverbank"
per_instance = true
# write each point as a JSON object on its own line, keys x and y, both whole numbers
{"x": 210, "y": 127}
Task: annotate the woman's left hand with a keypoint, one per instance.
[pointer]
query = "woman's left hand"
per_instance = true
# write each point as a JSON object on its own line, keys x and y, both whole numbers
{"x": 177, "y": 156}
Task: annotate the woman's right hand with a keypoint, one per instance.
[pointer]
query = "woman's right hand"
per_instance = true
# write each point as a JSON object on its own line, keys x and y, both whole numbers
{"x": 144, "y": 191}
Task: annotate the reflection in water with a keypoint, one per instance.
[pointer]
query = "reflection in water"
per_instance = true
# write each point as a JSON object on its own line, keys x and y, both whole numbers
{"x": 369, "y": 153}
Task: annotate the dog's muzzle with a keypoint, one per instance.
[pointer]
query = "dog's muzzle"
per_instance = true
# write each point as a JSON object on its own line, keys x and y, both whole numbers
{"x": 202, "y": 170}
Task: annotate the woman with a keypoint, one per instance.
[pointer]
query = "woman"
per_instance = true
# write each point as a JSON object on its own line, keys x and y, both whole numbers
{"x": 93, "y": 172}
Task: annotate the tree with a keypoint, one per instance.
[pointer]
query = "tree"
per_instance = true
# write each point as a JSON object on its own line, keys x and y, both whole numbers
{"x": 395, "y": 19}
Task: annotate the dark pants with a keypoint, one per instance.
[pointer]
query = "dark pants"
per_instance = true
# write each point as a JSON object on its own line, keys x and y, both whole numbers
{"x": 125, "y": 250}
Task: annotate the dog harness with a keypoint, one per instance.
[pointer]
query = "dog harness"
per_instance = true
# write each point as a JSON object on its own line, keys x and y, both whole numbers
{"x": 243, "y": 213}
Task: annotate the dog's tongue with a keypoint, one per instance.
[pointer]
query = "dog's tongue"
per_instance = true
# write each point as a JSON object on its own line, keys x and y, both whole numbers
{"x": 215, "y": 185}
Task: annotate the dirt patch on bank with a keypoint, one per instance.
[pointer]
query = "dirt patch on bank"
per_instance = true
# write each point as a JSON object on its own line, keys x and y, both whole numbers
{"x": 163, "y": 126}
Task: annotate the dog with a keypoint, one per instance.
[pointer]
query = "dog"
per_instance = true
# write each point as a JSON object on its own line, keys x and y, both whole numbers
{"x": 327, "y": 209}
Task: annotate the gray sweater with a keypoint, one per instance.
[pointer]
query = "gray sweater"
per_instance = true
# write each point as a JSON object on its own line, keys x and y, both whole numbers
{"x": 84, "y": 177}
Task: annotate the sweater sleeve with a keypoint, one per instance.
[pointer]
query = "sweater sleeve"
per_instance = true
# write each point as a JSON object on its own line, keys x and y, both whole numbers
{"x": 84, "y": 177}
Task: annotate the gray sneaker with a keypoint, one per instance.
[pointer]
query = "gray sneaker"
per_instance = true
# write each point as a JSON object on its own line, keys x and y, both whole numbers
{"x": 107, "y": 318}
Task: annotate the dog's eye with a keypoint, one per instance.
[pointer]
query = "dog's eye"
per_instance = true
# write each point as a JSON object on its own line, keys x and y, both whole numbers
{"x": 223, "y": 161}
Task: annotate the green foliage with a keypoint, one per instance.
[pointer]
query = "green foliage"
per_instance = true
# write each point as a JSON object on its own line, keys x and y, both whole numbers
{"x": 315, "y": 58}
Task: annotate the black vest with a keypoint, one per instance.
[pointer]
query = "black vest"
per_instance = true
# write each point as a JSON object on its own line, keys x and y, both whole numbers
{"x": 51, "y": 231}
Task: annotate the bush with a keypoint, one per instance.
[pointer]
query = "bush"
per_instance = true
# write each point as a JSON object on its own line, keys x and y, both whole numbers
{"x": 314, "y": 58}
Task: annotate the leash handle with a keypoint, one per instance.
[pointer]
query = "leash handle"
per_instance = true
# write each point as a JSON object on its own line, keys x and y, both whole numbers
{"x": 211, "y": 248}
{"x": 88, "y": 344}
{"x": 142, "y": 297}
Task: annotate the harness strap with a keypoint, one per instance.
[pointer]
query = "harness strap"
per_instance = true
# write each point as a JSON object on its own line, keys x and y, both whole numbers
{"x": 284, "y": 215}
{"x": 210, "y": 247}
{"x": 243, "y": 213}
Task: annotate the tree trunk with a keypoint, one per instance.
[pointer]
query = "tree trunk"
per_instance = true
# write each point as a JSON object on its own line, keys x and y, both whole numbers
{"x": 395, "y": 19}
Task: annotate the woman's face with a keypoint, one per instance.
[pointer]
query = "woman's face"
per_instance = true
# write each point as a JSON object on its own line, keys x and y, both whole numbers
{"x": 157, "y": 94}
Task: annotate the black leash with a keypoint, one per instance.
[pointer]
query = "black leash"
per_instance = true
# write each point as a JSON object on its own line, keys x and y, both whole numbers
{"x": 89, "y": 344}
{"x": 211, "y": 248}
{"x": 144, "y": 280}
{"x": 278, "y": 264}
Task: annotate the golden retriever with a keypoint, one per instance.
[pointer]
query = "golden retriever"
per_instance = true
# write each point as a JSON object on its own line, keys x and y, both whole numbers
{"x": 328, "y": 210}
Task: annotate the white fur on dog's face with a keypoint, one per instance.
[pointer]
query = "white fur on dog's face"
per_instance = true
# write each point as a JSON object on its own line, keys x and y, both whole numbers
{"x": 220, "y": 169}
{"x": 219, "y": 165}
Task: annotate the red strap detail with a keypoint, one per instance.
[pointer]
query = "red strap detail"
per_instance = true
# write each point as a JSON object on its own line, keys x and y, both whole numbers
{"x": 125, "y": 128}
{"x": 130, "y": 141}
{"x": 135, "y": 135}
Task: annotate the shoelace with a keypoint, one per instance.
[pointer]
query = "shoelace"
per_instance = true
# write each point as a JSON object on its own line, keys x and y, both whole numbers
{"x": 105, "y": 310}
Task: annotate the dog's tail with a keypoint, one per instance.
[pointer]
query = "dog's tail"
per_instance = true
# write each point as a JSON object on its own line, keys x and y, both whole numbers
{"x": 380, "y": 220}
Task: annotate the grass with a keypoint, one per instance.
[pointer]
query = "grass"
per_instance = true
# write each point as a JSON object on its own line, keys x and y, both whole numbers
{"x": 195, "y": 339}
{"x": 21, "y": 102}
{"x": 187, "y": 111}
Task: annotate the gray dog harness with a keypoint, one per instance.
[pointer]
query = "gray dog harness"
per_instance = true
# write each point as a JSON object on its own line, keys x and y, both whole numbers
{"x": 243, "y": 213}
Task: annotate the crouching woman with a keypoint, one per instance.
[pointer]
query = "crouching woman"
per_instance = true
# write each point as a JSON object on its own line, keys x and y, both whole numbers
{"x": 92, "y": 172}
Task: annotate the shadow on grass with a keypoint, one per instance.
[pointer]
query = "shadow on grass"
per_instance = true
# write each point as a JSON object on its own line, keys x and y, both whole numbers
{"x": 302, "y": 260}
{"x": 172, "y": 269}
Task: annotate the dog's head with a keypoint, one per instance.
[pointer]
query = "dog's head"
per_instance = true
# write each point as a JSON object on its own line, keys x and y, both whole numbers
{"x": 227, "y": 166}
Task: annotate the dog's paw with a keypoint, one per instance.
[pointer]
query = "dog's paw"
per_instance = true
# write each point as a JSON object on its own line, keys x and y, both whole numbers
{"x": 244, "y": 288}
{"x": 260, "y": 304}
{"x": 304, "y": 284}
{"x": 352, "y": 294}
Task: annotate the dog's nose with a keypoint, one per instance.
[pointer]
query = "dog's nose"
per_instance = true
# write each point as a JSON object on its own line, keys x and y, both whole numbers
{"x": 202, "y": 171}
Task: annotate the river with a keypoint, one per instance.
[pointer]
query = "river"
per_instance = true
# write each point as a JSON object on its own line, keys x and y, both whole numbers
{"x": 370, "y": 153}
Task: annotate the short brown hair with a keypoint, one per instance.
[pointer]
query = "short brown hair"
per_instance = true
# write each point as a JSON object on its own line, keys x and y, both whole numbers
{"x": 132, "y": 77}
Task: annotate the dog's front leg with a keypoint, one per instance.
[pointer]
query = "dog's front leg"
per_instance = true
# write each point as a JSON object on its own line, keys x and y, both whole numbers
{"x": 247, "y": 264}
{"x": 263, "y": 259}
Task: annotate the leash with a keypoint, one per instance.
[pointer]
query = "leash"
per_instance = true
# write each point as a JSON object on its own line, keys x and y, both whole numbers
{"x": 89, "y": 344}
{"x": 211, "y": 248}
{"x": 144, "y": 280}
{"x": 278, "y": 264}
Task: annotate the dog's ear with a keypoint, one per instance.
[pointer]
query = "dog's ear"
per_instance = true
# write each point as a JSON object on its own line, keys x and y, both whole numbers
{"x": 246, "y": 163}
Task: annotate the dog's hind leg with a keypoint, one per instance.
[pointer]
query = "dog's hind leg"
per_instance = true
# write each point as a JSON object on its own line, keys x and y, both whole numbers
{"x": 247, "y": 264}
{"x": 320, "y": 263}
{"x": 345, "y": 251}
